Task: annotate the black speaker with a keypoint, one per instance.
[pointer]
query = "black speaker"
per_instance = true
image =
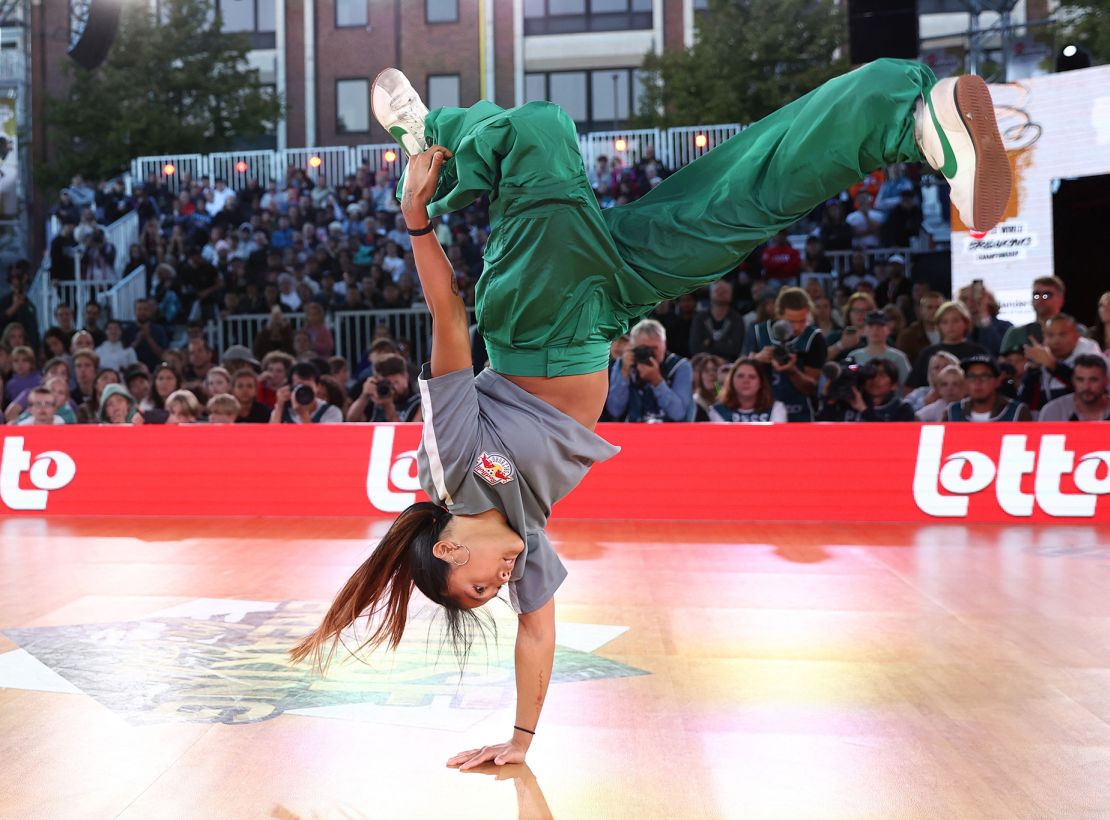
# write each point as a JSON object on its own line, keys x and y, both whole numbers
{"x": 99, "y": 32}
{"x": 882, "y": 28}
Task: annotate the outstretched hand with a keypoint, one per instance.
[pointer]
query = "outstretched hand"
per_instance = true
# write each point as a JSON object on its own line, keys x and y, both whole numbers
{"x": 499, "y": 755}
{"x": 421, "y": 177}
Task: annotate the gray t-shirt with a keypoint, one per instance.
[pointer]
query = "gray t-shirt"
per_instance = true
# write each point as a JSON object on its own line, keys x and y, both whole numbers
{"x": 1061, "y": 409}
{"x": 489, "y": 444}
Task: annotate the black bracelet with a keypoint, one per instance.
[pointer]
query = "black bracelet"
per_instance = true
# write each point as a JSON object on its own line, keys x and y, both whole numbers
{"x": 522, "y": 729}
{"x": 421, "y": 231}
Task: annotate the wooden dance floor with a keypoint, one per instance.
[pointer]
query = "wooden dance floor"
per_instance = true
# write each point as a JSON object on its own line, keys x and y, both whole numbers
{"x": 703, "y": 671}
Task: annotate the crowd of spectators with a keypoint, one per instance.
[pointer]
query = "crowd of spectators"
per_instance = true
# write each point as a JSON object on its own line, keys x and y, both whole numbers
{"x": 869, "y": 343}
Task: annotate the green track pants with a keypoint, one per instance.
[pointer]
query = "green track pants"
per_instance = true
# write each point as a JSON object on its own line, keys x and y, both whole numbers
{"x": 562, "y": 278}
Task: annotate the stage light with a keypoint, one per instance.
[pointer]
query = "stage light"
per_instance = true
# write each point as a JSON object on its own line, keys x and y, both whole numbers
{"x": 621, "y": 145}
{"x": 241, "y": 167}
{"x": 390, "y": 156}
{"x": 701, "y": 140}
{"x": 1071, "y": 58}
{"x": 169, "y": 169}
{"x": 315, "y": 162}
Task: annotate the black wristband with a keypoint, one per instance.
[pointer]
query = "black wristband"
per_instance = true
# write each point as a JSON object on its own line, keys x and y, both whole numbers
{"x": 421, "y": 231}
{"x": 522, "y": 729}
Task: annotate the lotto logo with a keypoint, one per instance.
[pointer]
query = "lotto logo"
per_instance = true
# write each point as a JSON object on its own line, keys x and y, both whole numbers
{"x": 385, "y": 469}
{"x": 968, "y": 472}
{"x": 51, "y": 470}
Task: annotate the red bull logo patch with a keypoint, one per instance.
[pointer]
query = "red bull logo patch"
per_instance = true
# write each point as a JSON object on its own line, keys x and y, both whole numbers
{"x": 494, "y": 468}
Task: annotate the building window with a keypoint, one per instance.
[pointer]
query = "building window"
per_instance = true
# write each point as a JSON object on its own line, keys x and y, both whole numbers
{"x": 443, "y": 91}
{"x": 441, "y": 11}
{"x": 575, "y": 16}
{"x": 599, "y": 99}
{"x": 255, "y": 18}
{"x": 352, "y": 106}
{"x": 350, "y": 13}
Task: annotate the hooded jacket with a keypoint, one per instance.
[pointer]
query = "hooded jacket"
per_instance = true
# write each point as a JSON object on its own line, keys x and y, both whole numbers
{"x": 116, "y": 390}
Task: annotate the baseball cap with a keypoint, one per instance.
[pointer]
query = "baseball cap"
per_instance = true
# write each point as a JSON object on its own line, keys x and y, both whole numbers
{"x": 240, "y": 353}
{"x": 896, "y": 259}
{"x": 979, "y": 358}
{"x": 137, "y": 370}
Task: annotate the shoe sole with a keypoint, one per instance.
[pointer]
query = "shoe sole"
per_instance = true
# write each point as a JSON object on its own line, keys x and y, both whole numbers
{"x": 398, "y": 134}
{"x": 993, "y": 179}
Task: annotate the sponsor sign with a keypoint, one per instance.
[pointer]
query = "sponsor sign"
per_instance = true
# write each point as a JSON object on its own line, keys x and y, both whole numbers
{"x": 794, "y": 472}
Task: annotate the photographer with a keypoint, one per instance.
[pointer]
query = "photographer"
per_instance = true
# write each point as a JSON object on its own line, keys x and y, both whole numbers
{"x": 297, "y": 402}
{"x": 389, "y": 391}
{"x": 795, "y": 350}
{"x": 874, "y": 399}
{"x": 647, "y": 383}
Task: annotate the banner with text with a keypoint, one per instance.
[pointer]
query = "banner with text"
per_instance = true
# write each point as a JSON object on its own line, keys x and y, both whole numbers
{"x": 803, "y": 472}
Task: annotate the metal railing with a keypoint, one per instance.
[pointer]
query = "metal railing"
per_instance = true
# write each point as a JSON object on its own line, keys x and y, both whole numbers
{"x": 123, "y": 233}
{"x": 674, "y": 147}
{"x": 121, "y": 297}
{"x": 353, "y": 330}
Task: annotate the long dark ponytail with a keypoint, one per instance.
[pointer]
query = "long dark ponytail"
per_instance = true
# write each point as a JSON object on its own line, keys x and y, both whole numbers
{"x": 380, "y": 590}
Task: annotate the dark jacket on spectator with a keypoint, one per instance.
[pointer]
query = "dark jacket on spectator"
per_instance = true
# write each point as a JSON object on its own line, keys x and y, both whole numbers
{"x": 919, "y": 376}
{"x": 913, "y": 340}
{"x": 724, "y": 338}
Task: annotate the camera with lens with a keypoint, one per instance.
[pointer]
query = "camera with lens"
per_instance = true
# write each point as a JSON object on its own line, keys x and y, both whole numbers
{"x": 304, "y": 395}
{"x": 641, "y": 354}
{"x": 843, "y": 381}
{"x": 781, "y": 331}
{"x": 384, "y": 388}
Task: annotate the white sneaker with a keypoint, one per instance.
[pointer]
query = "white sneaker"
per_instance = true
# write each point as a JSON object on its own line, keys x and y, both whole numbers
{"x": 957, "y": 132}
{"x": 399, "y": 110}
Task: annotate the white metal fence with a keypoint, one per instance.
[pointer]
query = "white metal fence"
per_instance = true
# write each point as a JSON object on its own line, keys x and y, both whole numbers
{"x": 121, "y": 297}
{"x": 673, "y": 147}
{"x": 353, "y": 330}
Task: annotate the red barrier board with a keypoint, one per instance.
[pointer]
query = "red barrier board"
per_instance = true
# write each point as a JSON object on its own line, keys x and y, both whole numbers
{"x": 797, "y": 472}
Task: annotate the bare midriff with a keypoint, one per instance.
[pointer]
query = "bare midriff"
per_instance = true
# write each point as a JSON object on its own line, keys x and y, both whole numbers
{"x": 581, "y": 397}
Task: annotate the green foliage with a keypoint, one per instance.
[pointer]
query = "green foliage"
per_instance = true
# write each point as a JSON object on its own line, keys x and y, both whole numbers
{"x": 170, "y": 86}
{"x": 1086, "y": 23}
{"x": 749, "y": 58}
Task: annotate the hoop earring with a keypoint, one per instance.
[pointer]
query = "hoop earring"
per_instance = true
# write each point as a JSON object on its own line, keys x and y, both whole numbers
{"x": 467, "y": 561}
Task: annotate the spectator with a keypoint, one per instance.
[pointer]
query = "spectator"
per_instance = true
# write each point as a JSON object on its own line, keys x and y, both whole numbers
{"x": 835, "y": 233}
{"x": 781, "y": 260}
{"x": 98, "y": 261}
{"x": 92, "y": 322}
{"x": 200, "y": 284}
{"x": 648, "y": 384}
{"x": 287, "y": 290}
{"x": 297, "y": 403}
{"x": 137, "y": 381}
{"x": 951, "y": 388}
{"x": 390, "y": 392}
{"x": 319, "y": 335}
{"x": 64, "y": 322}
{"x": 245, "y": 389}
{"x": 276, "y": 370}
{"x": 200, "y": 361}
{"x": 112, "y": 352}
{"x": 223, "y": 408}
{"x": 81, "y": 340}
{"x": 217, "y": 381}
{"x": 167, "y": 381}
{"x": 17, "y": 307}
{"x": 276, "y": 336}
{"x": 989, "y": 330}
{"x": 1048, "y": 372}
{"x": 145, "y": 335}
{"x": 903, "y": 222}
{"x": 89, "y": 411}
{"x": 894, "y": 288}
{"x": 64, "y": 254}
{"x": 985, "y": 401}
{"x": 183, "y": 408}
{"x": 1089, "y": 401}
{"x": 815, "y": 260}
{"x": 117, "y": 406}
{"x": 876, "y": 399}
{"x": 24, "y": 376}
{"x": 41, "y": 405}
{"x": 795, "y": 357}
{"x": 923, "y": 332}
{"x": 824, "y": 318}
{"x": 706, "y": 387}
{"x": 896, "y": 186}
{"x": 748, "y": 396}
{"x": 1048, "y": 300}
{"x": 852, "y": 337}
{"x": 85, "y": 365}
{"x": 720, "y": 329}
{"x": 877, "y": 331}
{"x": 237, "y": 357}
{"x": 866, "y": 222}
{"x": 954, "y": 323}
{"x": 55, "y": 368}
{"x": 678, "y": 321}
{"x": 1100, "y": 332}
